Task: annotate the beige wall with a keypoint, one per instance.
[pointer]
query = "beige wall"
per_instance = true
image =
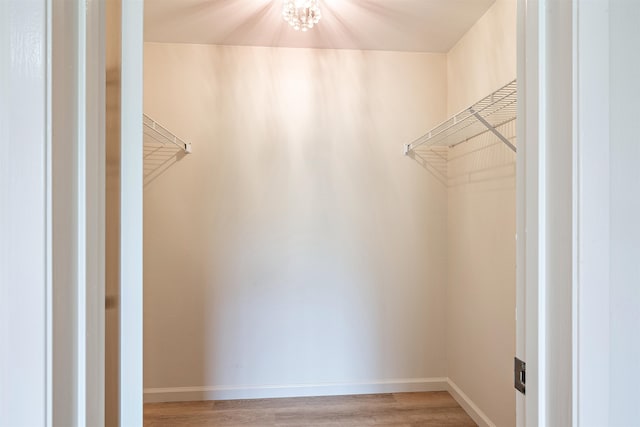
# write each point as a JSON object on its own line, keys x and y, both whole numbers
{"x": 484, "y": 59}
{"x": 481, "y": 229}
{"x": 296, "y": 245}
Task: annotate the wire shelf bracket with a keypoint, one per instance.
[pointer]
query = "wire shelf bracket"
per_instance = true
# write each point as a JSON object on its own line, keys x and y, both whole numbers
{"x": 486, "y": 115}
{"x": 160, "y": 134}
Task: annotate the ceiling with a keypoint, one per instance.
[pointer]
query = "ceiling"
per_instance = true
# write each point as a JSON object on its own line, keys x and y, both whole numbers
{"x": 400, "y": 25}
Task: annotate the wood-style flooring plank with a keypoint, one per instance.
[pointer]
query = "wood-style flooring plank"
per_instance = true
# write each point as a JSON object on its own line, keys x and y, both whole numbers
{"x": 389, "y": 410}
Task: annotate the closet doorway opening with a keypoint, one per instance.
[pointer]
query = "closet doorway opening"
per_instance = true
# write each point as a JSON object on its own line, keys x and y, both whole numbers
{"x": 293, "y": 245}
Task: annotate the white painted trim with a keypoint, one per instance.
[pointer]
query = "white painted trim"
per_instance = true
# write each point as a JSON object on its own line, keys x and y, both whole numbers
{"x": 574, "y": 213}
{"x": 25, "y": 282}
{"x": 468, "y": 405}
{"x": 536, "y": 219}
{"x": 592, "y": 151}
{"x": 81, "y": 211}
{"x": 68, "y": 212}
{"x": 95, "y": 103}
{"x": 521, "y": 208}
{"x": 131, "y": 173}
{"x": 531, "y": 345}
{"x": 49, "y": 217}
{"x": 550, "y": 207}
{"x": 177, "y": 394}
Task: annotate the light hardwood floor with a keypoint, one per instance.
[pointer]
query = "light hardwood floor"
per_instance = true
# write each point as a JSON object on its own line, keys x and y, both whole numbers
{"x": 398, "y": 409}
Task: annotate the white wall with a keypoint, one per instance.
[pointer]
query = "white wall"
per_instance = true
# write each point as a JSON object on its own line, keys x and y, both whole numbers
{"x": 481, "y": 225}
{"x": 624, "y": 213}
{"x": 296, "y": 245}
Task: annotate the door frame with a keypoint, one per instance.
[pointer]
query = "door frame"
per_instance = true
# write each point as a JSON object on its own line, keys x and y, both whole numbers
{"x": 546, "y": 215}
{"x": 91, "y": 44}
{"x": 131, "y": 227}
{"x": 562, "y": 246}
{"x": 93, "y": 41}
{"x": 52, "y": 224}
{"x": 25, "y": 205}
{"x": 549, "y": 36}
{"x": 563, "y": 179}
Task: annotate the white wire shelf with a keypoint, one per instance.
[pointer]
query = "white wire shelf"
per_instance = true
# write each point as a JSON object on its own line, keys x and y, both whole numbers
{"x": 486, "y": 115}
{"x": 157, "y": 133}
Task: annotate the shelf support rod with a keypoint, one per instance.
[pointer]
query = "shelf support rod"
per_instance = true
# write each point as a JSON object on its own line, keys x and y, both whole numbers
{"x": 493, "y": 130}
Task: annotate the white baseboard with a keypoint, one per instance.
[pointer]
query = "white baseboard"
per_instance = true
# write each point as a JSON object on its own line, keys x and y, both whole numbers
{"x": 467, "y": 404}
{"x": 181, "y": 394}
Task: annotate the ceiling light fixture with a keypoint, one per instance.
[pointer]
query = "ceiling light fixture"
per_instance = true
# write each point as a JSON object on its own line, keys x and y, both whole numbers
{"x": 301, "y": 14}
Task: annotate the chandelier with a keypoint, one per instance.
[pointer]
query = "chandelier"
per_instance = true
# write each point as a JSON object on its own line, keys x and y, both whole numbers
{"x": 301, "y": 14}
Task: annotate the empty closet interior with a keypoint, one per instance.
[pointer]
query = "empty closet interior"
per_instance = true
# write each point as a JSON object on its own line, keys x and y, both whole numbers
{"x": 330, "y": 221}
